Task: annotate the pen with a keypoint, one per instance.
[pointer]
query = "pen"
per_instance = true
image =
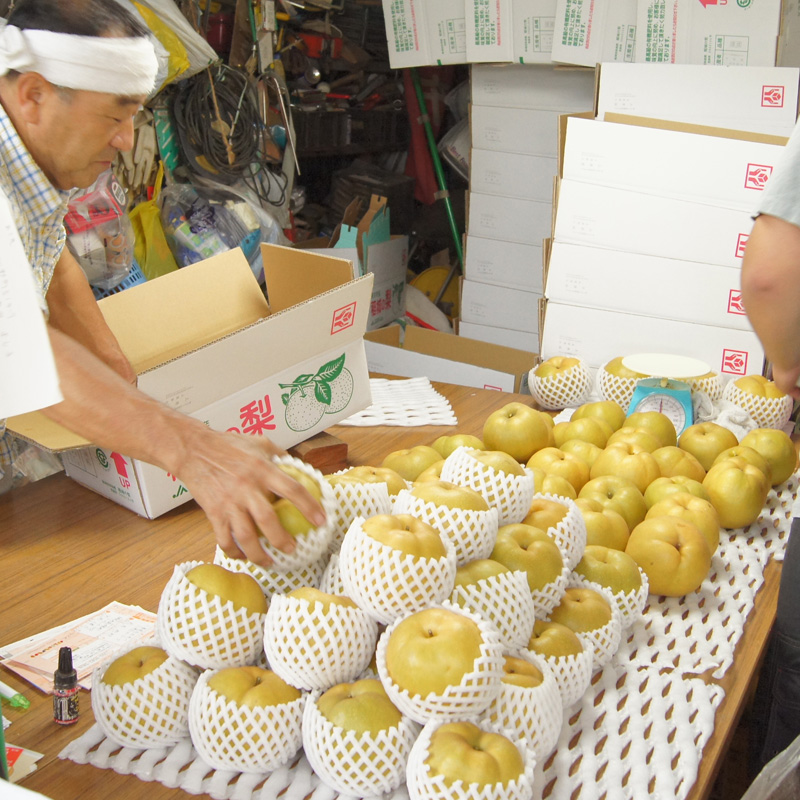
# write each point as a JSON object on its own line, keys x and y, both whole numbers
{"x": 16, "y": 699}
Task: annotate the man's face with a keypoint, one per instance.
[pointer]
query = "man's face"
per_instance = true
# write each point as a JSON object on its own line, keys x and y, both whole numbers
{"x": 84, "y": 132}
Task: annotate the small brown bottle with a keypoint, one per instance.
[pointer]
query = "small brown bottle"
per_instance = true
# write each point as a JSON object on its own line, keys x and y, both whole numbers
{"x": 65, "y": 689}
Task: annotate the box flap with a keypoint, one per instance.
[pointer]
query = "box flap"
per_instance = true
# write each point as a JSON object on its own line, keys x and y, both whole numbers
{"x": 690, "y": 127}
{"x": 293, "y": 276}
{"x": 164, "y": 318}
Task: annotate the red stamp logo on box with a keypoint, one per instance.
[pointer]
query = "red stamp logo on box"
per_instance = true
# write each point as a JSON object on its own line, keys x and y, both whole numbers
{"x": 757, "y": 176}
{"x": 343, "y": 318}
{"x": 493, "y": 388}
{"x": 735, "y": 304}
{"x": 741, "y": 243}
{"x": 734, "y": 362}
{"x": 772, "y": 96}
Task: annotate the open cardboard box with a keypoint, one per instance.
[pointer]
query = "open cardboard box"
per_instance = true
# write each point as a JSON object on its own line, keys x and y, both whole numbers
{"x": 448, "y": 358}
{"x": 204, "y": 341}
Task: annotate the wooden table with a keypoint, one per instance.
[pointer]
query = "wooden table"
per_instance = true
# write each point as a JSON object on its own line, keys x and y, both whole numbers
{"x": 65, "y": 552}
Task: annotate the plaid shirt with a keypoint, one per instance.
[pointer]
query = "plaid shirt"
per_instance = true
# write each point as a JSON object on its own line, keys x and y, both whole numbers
{"x": 38, "y": 209}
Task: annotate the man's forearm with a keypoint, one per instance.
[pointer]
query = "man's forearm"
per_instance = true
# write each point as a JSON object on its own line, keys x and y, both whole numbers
{"x": 771, "y": 289}
{"x": 74, "y": 311}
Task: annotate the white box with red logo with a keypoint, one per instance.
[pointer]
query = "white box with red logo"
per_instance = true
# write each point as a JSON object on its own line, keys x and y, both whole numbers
{"x": 683, "y": 164}
{"x": 619, "y": 219}
{"x": 648, "y": 285}
{"x": 756, "y": 99}
{"x": 708, "y": 32}
{"x": 598, "y": 335}
{"x": 590, "y": 31}
{"x": 204, "y": 341}
{"x": 441, "y": 356}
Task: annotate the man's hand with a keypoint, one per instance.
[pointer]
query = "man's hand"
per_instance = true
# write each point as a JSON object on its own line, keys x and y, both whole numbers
{"x": 786, "y": 380}
{"x": 233, "y": 478}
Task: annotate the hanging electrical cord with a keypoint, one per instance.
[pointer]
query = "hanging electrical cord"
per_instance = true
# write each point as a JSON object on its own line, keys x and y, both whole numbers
{"x": 221, "y": 130}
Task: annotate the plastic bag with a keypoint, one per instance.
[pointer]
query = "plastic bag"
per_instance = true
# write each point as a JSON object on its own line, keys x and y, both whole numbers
{"x": 780, "y": 778}
{"x": 99, "y": 232}
{"x": 205, "y": 219}
{"x": 151, "y": 249}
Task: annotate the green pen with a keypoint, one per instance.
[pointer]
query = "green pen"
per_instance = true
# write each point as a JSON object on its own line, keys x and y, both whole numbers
{"x": 15, "y": 699}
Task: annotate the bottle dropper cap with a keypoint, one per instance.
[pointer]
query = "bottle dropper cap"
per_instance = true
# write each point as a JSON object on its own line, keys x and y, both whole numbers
{"x": 65, "y": 677}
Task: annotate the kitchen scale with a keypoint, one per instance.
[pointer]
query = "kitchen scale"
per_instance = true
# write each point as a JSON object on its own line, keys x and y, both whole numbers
{"x": 669, "y": 393}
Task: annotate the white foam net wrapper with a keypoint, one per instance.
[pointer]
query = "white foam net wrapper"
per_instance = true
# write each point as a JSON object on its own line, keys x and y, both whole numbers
{"x": 570, "y": 532}
{"x": 228, "y": 736}
{"x": 470, "y": 697}
{"x": 272, "y": 580}
{"x": 387, "y": 583}
{"x": 424, "y": 785}
{"x": 766, "y": 412}
{"x": 360, "y": 765}
{"x": 511, "y": 495}
{"x": 313, "y": 647}
{"x": 567, "y": 388}
{"x": 549, "y": 596}
{"x": 494, "y": 597}
{"x": 637, "y": 728}
{"x": 310, "y": 547}
{"x": 533, "y": 713}
{"x": 614, "y": 387}
{"x": 409, "y": 403}
{"x": 203, "y": 629}
{"x": 572, "y": 673}
{"x": 630, "y": 605}
{"x": 357, "y": 500}
{"x": 472, "y": 532}
{"x": 709, "y": 384}
{"x": 332, "y": 578}
{"x": 603, "y": 641}
{"x": 151, "y": 711}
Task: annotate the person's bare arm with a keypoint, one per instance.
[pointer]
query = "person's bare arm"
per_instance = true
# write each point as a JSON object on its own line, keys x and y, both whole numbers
{"x": 771, "y": 295}
{"x": 231, "y": 476}
{"x": 74, "y": 311}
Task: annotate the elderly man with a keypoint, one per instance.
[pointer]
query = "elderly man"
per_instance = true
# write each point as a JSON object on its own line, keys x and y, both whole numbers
{"x": 74, "y": 73}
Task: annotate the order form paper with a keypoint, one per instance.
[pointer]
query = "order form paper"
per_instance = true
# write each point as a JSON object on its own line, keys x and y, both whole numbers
{"x": 28, "y": 379}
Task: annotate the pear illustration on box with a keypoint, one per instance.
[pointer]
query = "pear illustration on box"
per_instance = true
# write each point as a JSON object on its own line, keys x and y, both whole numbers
{"x": 309, "y": 397}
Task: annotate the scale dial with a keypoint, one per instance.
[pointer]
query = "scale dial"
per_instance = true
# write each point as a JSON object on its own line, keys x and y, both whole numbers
{"x": 666, "y": 404}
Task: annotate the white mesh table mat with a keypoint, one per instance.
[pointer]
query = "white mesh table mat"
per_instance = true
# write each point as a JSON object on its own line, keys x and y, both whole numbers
{"x": 638, "y": 731}
{"x": 404, "y": 403}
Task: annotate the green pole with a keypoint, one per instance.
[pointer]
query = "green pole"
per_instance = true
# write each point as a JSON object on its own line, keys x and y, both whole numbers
{"x": 437, "y": 165}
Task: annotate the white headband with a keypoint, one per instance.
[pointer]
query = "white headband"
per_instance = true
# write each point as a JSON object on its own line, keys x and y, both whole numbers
{"x": 115, "y": 65}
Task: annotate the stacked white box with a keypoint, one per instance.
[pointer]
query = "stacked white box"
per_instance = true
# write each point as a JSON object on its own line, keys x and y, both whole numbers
{"x": 650, "y": 230}
{"x": 514, "y": 120}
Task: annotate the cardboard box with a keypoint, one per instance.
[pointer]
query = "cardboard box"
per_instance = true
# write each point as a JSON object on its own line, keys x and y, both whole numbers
{"x": 757, "y": 99}
{"x": 509, "y": 219}
{"x": 499, "y": 306}
{"x": 789, "y": 35}
{"x": 378, "y": 252}
{"x": 519, "y": 340}
{"x": 533, "y": 86}
{"x": 515, "y": 130}
{"x": 720, "y": 34}
{"x": 590, "y": 31}
{"x": 510, "y": 264}
{"x": 489, "y": 30}
{"x": 619, "y": 219}
{"x": 448, "y": 358}
{"x": 686, "y": 165}
{"x": 597, "y": 336}
{"x": 229, "y": 368}
{"x": 648, "y": 285}
{"x": 534, "y": 22}
{"x": 512, "y": 175}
